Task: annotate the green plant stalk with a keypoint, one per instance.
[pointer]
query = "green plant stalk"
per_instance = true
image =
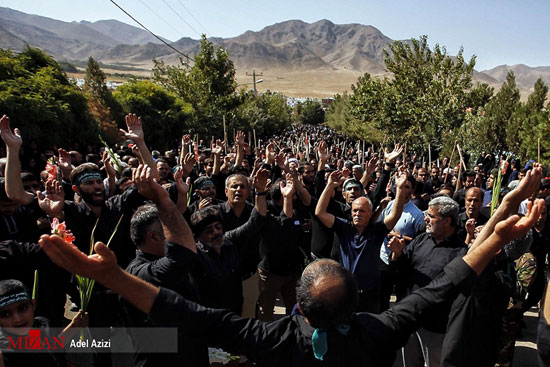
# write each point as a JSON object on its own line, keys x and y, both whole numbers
{"x": 35, "y": 285}
{"x": 116, "y": 161}
{"x": 496, "y": 191}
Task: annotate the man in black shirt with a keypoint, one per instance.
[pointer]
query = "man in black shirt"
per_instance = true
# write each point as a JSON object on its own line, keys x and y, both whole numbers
{"x": 420, "y": 262}
{"x": 165, "y": 255}
{"x": 326, "y": 329}
{"x": 222, "y": 253}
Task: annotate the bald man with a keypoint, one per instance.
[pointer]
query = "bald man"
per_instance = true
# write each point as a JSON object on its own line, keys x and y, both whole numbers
{"x": 360, "y": 240}
{"x": 326, "y": 328}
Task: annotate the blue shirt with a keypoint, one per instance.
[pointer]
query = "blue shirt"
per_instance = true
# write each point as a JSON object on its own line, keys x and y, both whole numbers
{"x": 359, "y": 252}
{"x": 408, "y": 225}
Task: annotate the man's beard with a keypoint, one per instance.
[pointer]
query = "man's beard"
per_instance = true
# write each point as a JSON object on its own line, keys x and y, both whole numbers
{"x": 89, "y": 198}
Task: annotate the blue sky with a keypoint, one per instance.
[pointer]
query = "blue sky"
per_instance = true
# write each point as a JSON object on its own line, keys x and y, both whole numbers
{"x": 498, "y": 32}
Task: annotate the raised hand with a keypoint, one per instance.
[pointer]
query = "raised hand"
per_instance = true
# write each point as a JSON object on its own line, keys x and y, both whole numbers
{"x": 470, "y": 226}
{"x": 148, "y": 186}
{"x": 371, "y": 165}
{"x": 52, "y": 203}
{"x": 188, "y": 163}
{"x": 239, "y": 138}
{"x": 65, "y": 161}
{"x": 260, "y": 180}
{"x": 401, "y": 179}
{"x": 98, "y": 266}
{"x": 288, "y": 188}
{"x": 396, "y": 244}
{"x": 181, "y": 186}
{"x": 391, "y": 157}
{"x": 106, "y": 163}
{"x": 322, "y": 151}
{"x": 515, "y": 227}
{"x": 205, "y": 203}
{"x": 335, "y": 179}
{"x": 135, "y": 128}
{"x": 217, "y": 148}
{"x": 12, "y": 139}
{"x": 527, "y": 186}
{"x": 270, "y": 154}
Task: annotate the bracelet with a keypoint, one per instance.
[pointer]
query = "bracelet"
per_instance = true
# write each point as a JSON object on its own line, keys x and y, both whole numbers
{"x": 264, "y": 193}
{"x": 390, "y": 164}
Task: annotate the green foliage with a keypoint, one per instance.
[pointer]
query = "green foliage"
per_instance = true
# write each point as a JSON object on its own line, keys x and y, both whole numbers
{"x": 94, "y": 81}
{"x": 208, "y": 86}
{"x": 40, "y": 100}
{"x": 309, "y": 112}
{"x": 266, "y": 113}
{"x": 499, "y": 131}
{"x": 165, "y": 116}
{"x": 339, "y": 116}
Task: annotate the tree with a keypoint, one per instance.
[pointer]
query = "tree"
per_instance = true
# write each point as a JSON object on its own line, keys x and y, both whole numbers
{"x": 208, "y": 86}
{"x": 311, "y": 112}
{"x": 94, "y": 81}
{"x": 267, "y": 113}
{"x": 36, "y": 94}
{"x": 340, "y": 116}
{"x": 428, "y": 91}
{"x": 500, "y": 133}
{"x": 165, "y": 116}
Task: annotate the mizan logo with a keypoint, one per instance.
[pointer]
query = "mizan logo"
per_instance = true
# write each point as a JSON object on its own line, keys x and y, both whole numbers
{"x": 34, "y": 341}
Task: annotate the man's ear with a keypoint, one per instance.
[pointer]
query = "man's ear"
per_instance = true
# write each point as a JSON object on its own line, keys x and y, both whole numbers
{"x": 301, "y": 313}
{"x": 75, "y": 189}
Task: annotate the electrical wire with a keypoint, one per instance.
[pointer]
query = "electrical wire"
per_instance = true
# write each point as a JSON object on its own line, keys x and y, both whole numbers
{"x": 153, "y": 34}
{"x": 179, "y": 16}
{"x": 192, "y": 16}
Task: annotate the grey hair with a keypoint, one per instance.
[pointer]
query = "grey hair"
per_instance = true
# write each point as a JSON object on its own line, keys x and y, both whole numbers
{"x": 235, "y": 175}
{"x": 446, "y": 207}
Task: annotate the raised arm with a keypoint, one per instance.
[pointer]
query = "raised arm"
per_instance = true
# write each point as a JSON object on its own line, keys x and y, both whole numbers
{"x": 370, "y": 167}
{"x": 135, "y": 132}
{"x": 334, "y": 180}
{"x": 102, "y": 267}
{"x": 217, "y": 150}
{"x": 400, "y": 182}
{"x": 14, "y": 185}
{"x": 111, "y": 173}
{"x": 510, "y": 203}
{"x": 505, "y": 231}
{"x": 287, "y": 190}
{"x": 175, "y": 226}
{"x": 239, "y": 148}
{"x": 260, "y": 184}
{"x": 183, "y": 190}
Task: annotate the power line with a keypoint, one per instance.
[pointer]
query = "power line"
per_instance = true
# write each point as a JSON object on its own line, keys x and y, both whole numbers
{"x": 161, "y": 18}
{"x": 154, "y": 35}
{"x": 179, "y": 16}
{"x": 192, "y": 16}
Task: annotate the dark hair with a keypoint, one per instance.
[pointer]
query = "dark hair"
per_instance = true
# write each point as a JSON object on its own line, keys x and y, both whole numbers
{"x": 12, "y": 286}
{"x": 320, "y": 312}
{"x": 204, "y": 217}
{"x": 144, "y": 219}
{"x": 83, "y": 168}
{"x": 275, "y": 190}
{"x": 468, "y": 174}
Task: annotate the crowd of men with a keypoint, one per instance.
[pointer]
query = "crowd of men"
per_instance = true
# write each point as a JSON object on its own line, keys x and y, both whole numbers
{"x": 379, "y": 256}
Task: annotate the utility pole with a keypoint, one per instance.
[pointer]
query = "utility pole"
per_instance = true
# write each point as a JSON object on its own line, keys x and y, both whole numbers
{"x": 253, "y": 75}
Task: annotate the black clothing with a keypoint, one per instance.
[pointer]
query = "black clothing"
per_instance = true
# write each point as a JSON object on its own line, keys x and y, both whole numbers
{"x": 287, "y": 342}
{"x": 173, "y": 272}
{"x": 220, "y": 276}
{"x": 463, "y": 218}
{"x": 460, "y": 196}
{"x": 21, "y": 226}
{"x": 81, "y": 220}
{"x": 420, "y": 203}
{"x": 104, "y": 308}
{"x": 420, "y": 262}
{"x": 19, "y": 260}
{"x": 250, "y": 254}
{"x": 475, "y": 321}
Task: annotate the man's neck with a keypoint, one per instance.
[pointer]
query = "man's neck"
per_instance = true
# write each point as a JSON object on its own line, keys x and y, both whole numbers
{"x": 238, "y": 208}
